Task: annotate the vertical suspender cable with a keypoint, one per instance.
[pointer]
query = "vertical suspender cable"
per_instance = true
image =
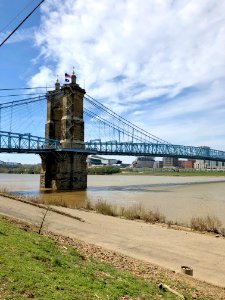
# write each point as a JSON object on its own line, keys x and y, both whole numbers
{"x": 11, "y": 114}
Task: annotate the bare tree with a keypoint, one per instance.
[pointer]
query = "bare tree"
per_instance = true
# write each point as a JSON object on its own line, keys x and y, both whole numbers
{"x": 43, "y": 219}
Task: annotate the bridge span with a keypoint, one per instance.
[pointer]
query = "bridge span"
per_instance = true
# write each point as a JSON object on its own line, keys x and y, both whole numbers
{"x": 26, "y": 143}
{"x": 155, "y": 149}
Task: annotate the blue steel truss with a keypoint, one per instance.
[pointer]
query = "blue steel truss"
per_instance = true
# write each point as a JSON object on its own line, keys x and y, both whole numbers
{"x": 11, "y": 142}
{"x": 27, "y": 143}
{"x": 154, "y": 149}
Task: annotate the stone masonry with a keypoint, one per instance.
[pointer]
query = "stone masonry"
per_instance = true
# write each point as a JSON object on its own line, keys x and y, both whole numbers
{"x": 65, "y": 170}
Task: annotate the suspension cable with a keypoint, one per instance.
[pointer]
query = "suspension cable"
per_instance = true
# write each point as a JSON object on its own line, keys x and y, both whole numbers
{"x": 113, "y": 126}
{"x": 100, "y": 106}
{"x": 26, "y": 100}
{"x": 16, "y": 95}
{"x": 27, "y": 88}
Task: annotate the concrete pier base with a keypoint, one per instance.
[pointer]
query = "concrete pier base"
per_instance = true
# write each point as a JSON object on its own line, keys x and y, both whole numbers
{"x": 66, "y": 171}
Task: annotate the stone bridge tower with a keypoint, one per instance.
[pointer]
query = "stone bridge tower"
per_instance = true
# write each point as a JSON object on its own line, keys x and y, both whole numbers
{"x": 65, "y": 170}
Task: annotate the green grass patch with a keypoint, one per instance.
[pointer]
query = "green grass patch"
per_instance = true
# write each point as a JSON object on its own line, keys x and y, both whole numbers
{"x": 34, "y": 266}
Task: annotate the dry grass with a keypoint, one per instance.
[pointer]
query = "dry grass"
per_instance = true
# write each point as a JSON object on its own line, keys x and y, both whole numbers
{"x": 134, "y": 212}
{"x": 137, "y": 212}
{"x": 208, "y": 223}
{"x": 154, "y": 216}
{"x": 88, "y": 205}
{"x": 105, "y": 208}
{"x": 64, "y": 202}
{"x": 222, "y": 231}
{"x": 56, "y": 201}
{"x": 4, "y": 190}
{"x": 34, "y": 199}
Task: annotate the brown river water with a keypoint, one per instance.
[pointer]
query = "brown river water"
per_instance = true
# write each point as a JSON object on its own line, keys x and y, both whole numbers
{"x": 179, "y": 198}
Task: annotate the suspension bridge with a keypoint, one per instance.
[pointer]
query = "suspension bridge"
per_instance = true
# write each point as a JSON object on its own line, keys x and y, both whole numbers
{"x": 65, "y": 140}
{"x": 26, "y": 143}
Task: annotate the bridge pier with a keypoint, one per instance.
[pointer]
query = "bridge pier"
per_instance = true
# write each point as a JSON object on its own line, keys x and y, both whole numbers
{"x": 65, "y": 170}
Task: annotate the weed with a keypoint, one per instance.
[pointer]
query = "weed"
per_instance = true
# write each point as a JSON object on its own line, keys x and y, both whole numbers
{"x": 56, "y": 262}
{"x": 105, "y": 208}
{"x": 134, "y": 212}
{"x": 153, "y": 217}
{"x": 208, "y": 223}
{"x": 222, "y": 231}
{"x": 56, "y": 201}
{"x": 137, "y": 212}
{"x": 169, "y": 223}
{"x": 213, "y": 224}
{"x": 4, "y": 190}
{"x": 88, "y": 205}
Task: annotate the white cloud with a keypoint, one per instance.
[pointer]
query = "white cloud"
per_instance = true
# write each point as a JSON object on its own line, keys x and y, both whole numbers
{"x": 165, "y": 46}
{"x": 42, "y": 78}
{"x": 19, "y": 36}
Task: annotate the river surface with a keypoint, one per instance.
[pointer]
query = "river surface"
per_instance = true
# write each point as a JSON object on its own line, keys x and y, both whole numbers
{"x": 179, "y": 198}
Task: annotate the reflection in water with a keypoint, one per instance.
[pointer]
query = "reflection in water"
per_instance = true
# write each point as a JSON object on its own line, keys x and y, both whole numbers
{"x": 145, "y": 187}
{"x": 179, "y": 198}
{"x": 70, "y": 199}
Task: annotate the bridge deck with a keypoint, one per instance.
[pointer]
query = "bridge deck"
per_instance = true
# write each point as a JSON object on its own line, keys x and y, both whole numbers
{"x": 27, "y": 143}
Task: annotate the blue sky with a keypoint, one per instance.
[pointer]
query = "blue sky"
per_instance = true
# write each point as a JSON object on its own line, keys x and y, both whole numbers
{"x": 158, "y": 63}
{"x": 16, "y": 55}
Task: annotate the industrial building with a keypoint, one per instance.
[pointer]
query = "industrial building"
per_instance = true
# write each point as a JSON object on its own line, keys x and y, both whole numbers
{"x": 187, "y": 164}
{"x": 94, "y": 160}
{"x": 143, "y": 162}
{"x": 170, "y": 162}
{"x": 209, "y": 164}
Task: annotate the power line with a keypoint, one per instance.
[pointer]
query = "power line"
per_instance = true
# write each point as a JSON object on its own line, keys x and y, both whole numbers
{"x": 21, "y": 23}
{"x": 19, "y": 13}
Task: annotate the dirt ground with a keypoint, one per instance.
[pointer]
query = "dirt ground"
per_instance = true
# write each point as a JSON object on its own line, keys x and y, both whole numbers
{"x": 181, "y": 283}
{"x": 143, "y": 249}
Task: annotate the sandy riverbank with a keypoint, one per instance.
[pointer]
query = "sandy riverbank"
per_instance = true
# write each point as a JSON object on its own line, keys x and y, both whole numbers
{"x": 178, "y": 198}
{"x": 151, "y": 243}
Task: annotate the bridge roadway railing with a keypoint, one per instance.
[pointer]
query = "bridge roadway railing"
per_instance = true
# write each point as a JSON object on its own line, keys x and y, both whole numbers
{"x": 25, "y": 143}
{"x": 154, "y": 149}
